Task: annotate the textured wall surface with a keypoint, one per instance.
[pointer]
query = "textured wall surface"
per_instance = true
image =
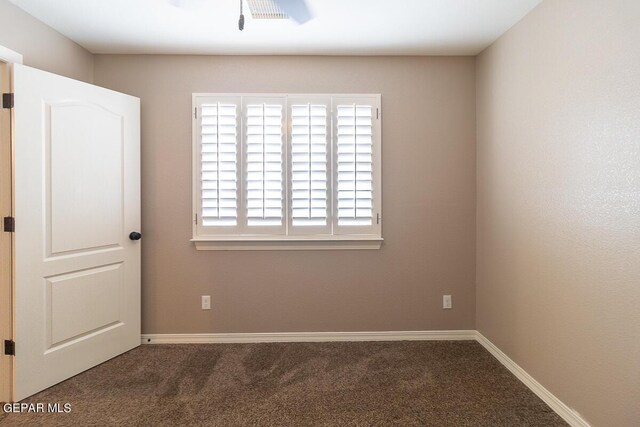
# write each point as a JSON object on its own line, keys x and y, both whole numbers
{"x": 428, "y": 138}
{"x": 558, "y": 261}
{"x": 41, "y": 46}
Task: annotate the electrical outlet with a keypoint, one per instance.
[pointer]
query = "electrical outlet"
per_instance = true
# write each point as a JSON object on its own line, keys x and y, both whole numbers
{"x": 446, "y": 302}
{"x": 206, "y": 302}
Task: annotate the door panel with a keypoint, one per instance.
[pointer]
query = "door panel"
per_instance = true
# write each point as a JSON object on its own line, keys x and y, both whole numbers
{"x": 70, "y": 127}
{"x": 83, "y": 302}
{"x": 77, "y": 197}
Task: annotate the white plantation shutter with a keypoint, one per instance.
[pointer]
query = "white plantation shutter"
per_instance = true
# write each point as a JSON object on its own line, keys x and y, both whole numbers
{"x": 354, "y": 158}
{"x": 264, "y": 165}
{"x": 286, "y": 171}
{"x": 309, "y": 166}
{"x": 219, "y": 164}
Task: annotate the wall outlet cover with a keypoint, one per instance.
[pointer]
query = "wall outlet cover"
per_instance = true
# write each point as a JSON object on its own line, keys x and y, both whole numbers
{"x": 206, "y": 302}
{"x": 446, "y": 302}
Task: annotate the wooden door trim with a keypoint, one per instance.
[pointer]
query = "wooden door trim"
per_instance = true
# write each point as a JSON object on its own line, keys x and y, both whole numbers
{"x": 6, "y": 239}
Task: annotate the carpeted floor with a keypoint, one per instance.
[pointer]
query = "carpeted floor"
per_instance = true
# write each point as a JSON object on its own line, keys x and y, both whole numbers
{"x": 436, "y": 383}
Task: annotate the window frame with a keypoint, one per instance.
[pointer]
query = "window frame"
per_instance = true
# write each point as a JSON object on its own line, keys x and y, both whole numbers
{"x": 244, "y": 237}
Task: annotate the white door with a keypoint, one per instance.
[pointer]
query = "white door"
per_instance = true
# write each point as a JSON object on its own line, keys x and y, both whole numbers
{"x": 77, "y": 199}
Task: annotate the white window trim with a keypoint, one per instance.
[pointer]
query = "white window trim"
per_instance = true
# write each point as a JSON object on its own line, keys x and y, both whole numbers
{"x": 286, "y": 243}
{"x": 262, "y": 241}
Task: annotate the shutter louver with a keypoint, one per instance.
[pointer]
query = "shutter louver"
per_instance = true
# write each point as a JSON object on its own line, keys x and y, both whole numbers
{"x": 354, "y": 158}
{"x": 309, "y": 165}
{"x": 264, "y": 168}
{"x": 219, "y": 164}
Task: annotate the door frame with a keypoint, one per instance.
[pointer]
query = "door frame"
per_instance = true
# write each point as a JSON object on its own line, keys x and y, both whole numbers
{"x": 7, "y": 58}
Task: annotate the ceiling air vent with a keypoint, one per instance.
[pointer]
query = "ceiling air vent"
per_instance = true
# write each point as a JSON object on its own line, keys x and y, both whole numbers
{"x": 266, "y": 9}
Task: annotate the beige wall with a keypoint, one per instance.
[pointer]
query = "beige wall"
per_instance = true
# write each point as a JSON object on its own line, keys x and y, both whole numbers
{"x": 429, "y": 201}
{"x": 41, "y": 46}
{"x": 558, "y": 259}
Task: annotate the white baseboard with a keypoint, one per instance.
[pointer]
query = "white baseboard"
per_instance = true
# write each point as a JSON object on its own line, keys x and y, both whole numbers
{"x": 307, "y": 337}
{"x": 567, "y": 414}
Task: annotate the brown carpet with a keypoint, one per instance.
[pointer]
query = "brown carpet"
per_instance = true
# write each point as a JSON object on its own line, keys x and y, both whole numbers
{"x": 296, "y": 384}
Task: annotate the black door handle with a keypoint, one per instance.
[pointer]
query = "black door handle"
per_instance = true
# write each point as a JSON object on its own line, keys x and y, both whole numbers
{"x": 134, "y": 235}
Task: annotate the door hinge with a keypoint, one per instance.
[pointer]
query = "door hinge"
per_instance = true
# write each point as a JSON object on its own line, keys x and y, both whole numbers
{"x": 378, "y": 218}
{"x": 195, "y": 113}
{"x": 9, "y": 224}
{"x": 9, "y": 347}
{"x": 196, "y": 220}
{"x": 377, "y": 113}
{"x": 7, "y": 100}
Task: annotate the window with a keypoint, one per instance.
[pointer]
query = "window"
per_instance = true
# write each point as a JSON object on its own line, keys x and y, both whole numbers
{"x": 286, "y": 171}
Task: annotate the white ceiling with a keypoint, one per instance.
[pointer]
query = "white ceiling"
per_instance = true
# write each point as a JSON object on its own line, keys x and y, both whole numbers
{"x": 339, "y": 27}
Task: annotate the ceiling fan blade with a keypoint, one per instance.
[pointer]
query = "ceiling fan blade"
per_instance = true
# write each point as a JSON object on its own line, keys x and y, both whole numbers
{"x": 296, "y": 9}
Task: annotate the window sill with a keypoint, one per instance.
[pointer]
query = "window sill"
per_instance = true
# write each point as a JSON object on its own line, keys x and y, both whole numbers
{"x": 286, "y": 244}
